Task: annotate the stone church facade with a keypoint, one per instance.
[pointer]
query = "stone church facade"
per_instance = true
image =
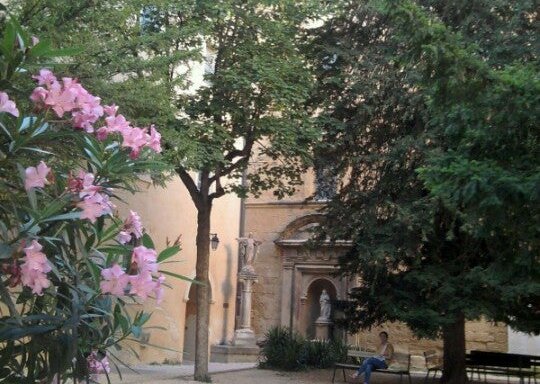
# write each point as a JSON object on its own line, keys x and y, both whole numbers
{"x": 293, "y": 275}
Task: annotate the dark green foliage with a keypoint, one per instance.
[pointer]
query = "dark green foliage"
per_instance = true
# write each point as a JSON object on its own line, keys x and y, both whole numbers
{"x": 463, "y": 230}
{"x": 323, "y": 354}
{"x": 431, "y": 111}
{"x": 288, "y": 350}
{"x": 282, "y": 349}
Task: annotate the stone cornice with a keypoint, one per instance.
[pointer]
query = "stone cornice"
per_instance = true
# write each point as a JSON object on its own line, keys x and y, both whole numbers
{"x": 294, "y": 203}
{"x": 295, "y": 243}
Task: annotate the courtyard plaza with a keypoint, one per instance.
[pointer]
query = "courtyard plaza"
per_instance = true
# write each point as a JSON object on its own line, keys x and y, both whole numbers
{"x": 247, "y": 373}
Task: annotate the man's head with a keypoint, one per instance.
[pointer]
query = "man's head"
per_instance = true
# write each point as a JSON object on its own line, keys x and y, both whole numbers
{"x": 383, "y": 336}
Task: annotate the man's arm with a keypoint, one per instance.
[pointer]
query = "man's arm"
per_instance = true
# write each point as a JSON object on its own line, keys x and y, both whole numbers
{"x": 389, "y": 352}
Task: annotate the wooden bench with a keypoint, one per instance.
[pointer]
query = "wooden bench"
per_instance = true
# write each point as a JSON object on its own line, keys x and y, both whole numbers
{"x": 499, "y": 363}
{"x": 401, "y": 364}
{"x": 433, "y": 364}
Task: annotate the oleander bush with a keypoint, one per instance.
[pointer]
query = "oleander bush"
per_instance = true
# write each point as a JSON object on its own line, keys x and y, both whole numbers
{"x": 69, "y": 262}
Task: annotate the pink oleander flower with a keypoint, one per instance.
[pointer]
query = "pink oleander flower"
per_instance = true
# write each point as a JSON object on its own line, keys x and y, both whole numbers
{"x": 38, "y": 96}
{"x": 110, "y": 110}
{"x": 134, "y": 138}
{"x": 83, "y": 184}
{"x": 67, "y": 96}
{"x": 123, "y": 237}
{"x": 45, "y": 77}
{"x": 114, "y": 124}
{"x": 132, "y": 226}
{"x": 35, "y": 268}
{"x": 95, "y": 206}
{"x": 7, "y": 105}
{"x": 145, "y": 259}
{"x": 89, "y": 108}
{"x": 154, "y": 139}
{"x": 142, "y": 284}
{"x": 115, "y": 281}
{"x": 36, "y": 177}
{"x": 158, "y": 289}
{"x": 97, "y": 365}
{"x": 60, "y": 99}
{"x": 88, "y": 188}
{"x": 134, "y": 223}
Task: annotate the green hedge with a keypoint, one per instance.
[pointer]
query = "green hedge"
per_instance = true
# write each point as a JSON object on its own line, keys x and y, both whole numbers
{"x": 288, "y": 350}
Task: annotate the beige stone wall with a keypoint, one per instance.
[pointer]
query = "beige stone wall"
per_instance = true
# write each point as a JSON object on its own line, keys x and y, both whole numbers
{"x": 485, "y": 336}
{"x": 267, "y": 218}
{"x": 480, "y": 335}
{"x": 167, "y": 213}
{"x": 267, "y": 221}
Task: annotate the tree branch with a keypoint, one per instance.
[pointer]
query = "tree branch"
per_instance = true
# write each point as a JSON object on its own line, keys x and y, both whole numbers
{"x": 190, "y": 185}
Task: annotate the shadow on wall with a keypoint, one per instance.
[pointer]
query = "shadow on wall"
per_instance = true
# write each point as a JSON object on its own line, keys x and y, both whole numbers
{"x": 189, "y": 324}
{"x": 227, "y": 290}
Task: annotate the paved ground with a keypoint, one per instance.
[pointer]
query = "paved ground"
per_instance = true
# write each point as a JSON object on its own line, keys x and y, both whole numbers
{"x": 245, "y": 373}
{"x": 235, "y": 374}
{"x": 154, "y": 374}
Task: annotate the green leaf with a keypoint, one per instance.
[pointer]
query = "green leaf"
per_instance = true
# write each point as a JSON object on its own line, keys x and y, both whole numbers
{"x": 64, "y": 216}
{"x": 147, "y": 241}
{"x": 168, "y": 253}
{"x": 5, "y": 251}
{"x": 181, "y": 277}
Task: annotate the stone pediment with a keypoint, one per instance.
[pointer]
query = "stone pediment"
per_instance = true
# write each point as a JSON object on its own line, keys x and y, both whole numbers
{"x": 296, "y": 242}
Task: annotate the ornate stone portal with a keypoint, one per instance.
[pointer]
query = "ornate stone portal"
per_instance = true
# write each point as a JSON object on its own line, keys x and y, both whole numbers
{"x": 309, "y": 284}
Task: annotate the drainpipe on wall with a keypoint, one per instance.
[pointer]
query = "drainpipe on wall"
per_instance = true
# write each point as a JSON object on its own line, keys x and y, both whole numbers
{"x": 293, "y": 286}
{"x": 241, "y": 233}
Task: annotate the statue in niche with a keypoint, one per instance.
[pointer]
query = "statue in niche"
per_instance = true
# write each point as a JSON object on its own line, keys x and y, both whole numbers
{"x": 249, "y": 247}
{"x": 326, "y": 307}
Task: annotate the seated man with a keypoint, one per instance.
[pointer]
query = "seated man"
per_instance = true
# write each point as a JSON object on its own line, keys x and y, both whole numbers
{"x": 379, "y": 361}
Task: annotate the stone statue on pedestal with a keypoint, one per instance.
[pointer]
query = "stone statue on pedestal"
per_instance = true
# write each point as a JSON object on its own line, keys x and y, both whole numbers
{"x": 323, "y": 324}
{"x": 249, "y": 247}
{"x": 326, "y": 308}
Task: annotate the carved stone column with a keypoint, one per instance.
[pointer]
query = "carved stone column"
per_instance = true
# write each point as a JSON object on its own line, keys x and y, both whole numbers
{"x": 244, "y": 336}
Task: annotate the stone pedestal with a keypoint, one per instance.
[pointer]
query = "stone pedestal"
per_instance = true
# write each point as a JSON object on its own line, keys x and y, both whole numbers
{"x": 244, "y": 348}
{"x": 244, "y": 335}
{"x": 234, "y": 354}
{"x": 323, "y": 329}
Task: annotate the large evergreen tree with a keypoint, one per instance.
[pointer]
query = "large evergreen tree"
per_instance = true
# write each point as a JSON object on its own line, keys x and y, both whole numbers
{"x": 251, "y": 103}
{"x": 431, "y": 109}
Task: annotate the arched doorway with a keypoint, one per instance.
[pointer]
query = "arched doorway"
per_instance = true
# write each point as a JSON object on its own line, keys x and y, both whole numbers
{"x": 312, "y": 306}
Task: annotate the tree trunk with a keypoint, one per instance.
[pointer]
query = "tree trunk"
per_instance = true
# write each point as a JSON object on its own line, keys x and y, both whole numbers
{"x": 454, "y": 369}
{"x": 203, "y": 292}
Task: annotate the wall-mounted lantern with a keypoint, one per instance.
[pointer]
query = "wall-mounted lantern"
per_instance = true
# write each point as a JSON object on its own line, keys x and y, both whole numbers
{"x": 214, "y": 241}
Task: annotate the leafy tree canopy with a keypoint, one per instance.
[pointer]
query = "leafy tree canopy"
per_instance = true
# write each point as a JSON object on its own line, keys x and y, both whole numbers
{"x": 431, "y": 110}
